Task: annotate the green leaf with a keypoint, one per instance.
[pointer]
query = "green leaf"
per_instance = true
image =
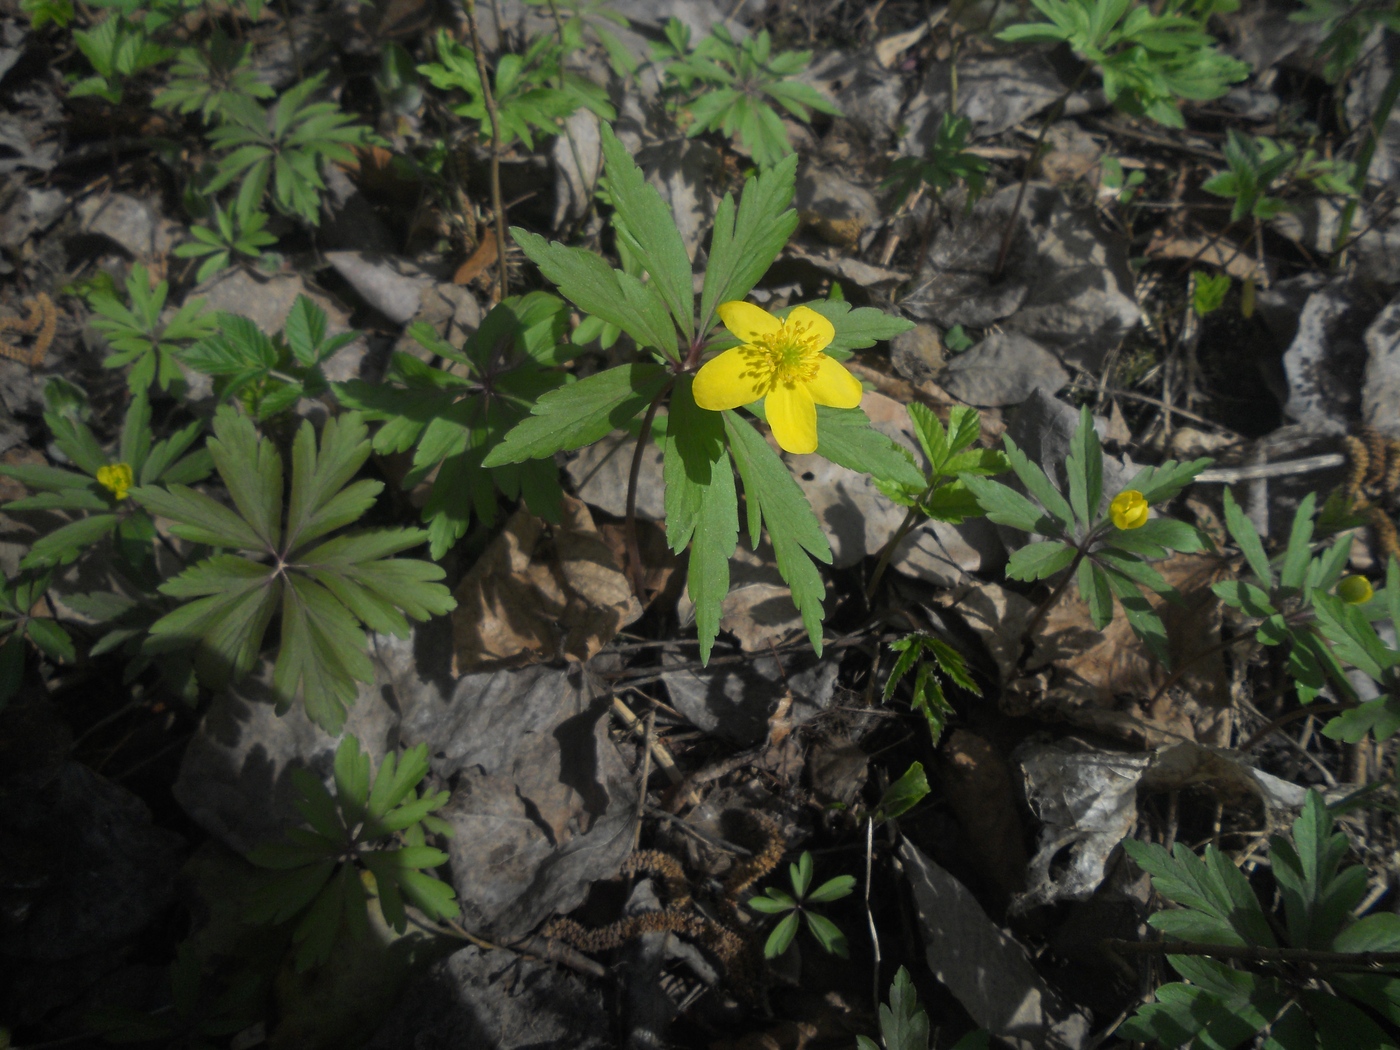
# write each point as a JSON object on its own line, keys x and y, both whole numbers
{"x": 1005, "y": 506}
{"x": 781, "y": 937}
{"x": 581, "y": 413}
{"x": 702, "y": 507}
{"x": 828, "y": 934}
{"x": 1037, "y": 561}
{"x": 586, "y": 280}
{"x": 1039, "y": 486}
{"x": 1084, "y": 470}
{"x": 859, "y": 328}
{"x": 744, "y": 244}
{"x": 903, "y": 1023}
{"x": 904, "y": 794}
{"x": 832, "y": 890}
{"x": 1242, "y": 529}
{"x": 647, "y": 219}
{"x": 776, "y": 500}
{"x": 846, "y": 437}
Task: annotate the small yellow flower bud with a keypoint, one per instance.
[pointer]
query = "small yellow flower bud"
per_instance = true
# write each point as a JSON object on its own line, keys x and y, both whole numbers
{"x": 1355, "y": 590}
{"x": 116, "y": 479}
{"x": 1128, "y": 509}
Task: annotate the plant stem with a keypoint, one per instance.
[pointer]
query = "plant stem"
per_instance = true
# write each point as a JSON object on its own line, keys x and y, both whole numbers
{"x": 1363, "y": 159}
{"x": 1027, "y": 639}
{"x": 1009, "y": 234}
{"x": 887, "y": 551}
{"x": 496, "y": 205}
{"x": 634, "y": 550}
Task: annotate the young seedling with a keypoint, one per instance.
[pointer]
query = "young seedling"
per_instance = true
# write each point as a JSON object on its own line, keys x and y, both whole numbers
{"x": 1290, "y": 981}
{"x": 1107, "y": 549}
{"x": 796, "y": 909}
{"x": 374, "y": 824}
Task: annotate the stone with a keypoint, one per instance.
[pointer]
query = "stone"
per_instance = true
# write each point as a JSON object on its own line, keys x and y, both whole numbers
{"x": 1003, "y": 369}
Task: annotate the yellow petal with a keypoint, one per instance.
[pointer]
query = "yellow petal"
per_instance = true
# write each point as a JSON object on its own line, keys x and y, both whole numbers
{"x": 792, "y": 415}
{"x": 834, "y": 386}
{"x": 728, "y": 381}
{"x": 750, "y": 323}
{"x": 821, "y": 331}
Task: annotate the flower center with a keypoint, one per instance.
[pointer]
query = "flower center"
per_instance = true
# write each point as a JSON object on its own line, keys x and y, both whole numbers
{"x": 788, "y": 356}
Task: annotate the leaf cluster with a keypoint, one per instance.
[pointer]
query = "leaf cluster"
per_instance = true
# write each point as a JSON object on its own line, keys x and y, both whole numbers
{"x": 577, "y": 18}
{"x": 1346, "y": 24}
{"x": 268, "y": 374}
{"x": 1112, "y": 564}
{"x": 1225, "y": 1006}
{"x": 727, "y": 86}
{"x": 1355, "y": 640}
{"x": 283, "y": 146}
{"x": 1149, "y": 61}
{"x": 947, "y": 164}
{"x": 795, "y": 908}
{"x": 930, "y": 659}
{"x": 118, "y": 48}
{"x": 533, "y": 93}
{"x": 940, "y": 493}
{"x": 1282, "y": 599}
{"x": 232, "y": 232}
{"x": 207, "y": 78}
{"x": 375, "y": 824}
{"x": 19, "y": 597}
{"x": 103, "y": 513}
{"x": 278, "y": 560}
{"x": 452, "y": 416}
{"x": 702, "y": 450}
{"x": 140, "y": 337}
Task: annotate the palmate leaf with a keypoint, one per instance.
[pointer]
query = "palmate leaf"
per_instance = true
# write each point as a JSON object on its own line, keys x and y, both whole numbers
{"x": 452, "y": 420}
{"x": 323, "y": 594}
{"x": 322, "y": 866}
{"x": 702, "y": 507}
{"x": 776, "y": 500}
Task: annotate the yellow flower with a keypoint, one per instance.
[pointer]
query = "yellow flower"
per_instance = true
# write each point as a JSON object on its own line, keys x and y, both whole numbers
{"x": 782, "y": 363}
{"x": 1128, "y": 509}
{"x": 116, "y": 478}
{"x": 1355, "y": 590}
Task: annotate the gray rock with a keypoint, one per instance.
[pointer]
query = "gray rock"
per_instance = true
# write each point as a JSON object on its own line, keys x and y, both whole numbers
{"x": 578, "y": 161}
{"x": 31, "y": 209}
{"x": 1366, "y": 84}
{"x": 734, "y": 700}
{"x": 1327, "y": 357}
{"x": 267, "y": 302}
{"x": 543, "y": 804}
{"x": 995, "y": 92}
{"x": 917, "y": 354}
{"x": 392, "y": 286}
{"x": 497, "y": 1000}
{"x": 348, "y": 221}
{"x": 1380, "y": 394}
{"x": 600, "y": 474}
{"x": 1066, "y": 284}
{"x": 1003, "y": 369}
{"x": 837, "y": 208}
{"x": 132, "y": 223}
{"x": 235, "y": 779}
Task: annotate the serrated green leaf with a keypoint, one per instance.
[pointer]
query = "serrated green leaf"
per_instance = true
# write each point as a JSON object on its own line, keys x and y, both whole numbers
{"x": 581, "y": 413}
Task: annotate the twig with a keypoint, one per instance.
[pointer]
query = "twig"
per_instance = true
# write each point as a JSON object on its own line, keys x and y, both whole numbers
{"x": 496, "y": 204}
{"x": 870, "y": 915}
{"x": 629, "y": 527}
{"x": 1254, "y": 471}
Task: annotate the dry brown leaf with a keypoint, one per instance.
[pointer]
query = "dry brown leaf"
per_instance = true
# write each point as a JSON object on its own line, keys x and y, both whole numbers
{"x": 541, "y": 592}
{"x": 478, "y": 261}
{"x": 978, "y": 787}
{"x": 1221, "y": 253}
{"x": 1104, "y": 679}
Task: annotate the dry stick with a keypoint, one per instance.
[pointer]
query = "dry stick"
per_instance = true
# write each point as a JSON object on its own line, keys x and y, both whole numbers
{"x": 869, "y": 915}
{"x": 1254, "y": 471}
{"x": 496, "y": 205}
{"x": 656, "y": 748}
{"x": 1252, "y": 953}
{"x": 887, "y": 552}
{"x": 1009, "y": 233}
